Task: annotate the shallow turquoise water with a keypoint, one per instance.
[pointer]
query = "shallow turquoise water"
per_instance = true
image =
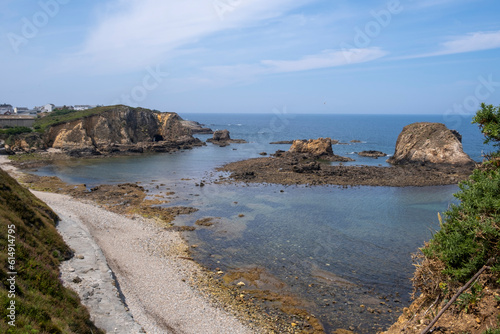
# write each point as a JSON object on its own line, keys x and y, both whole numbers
{"x": 306, "y": 237}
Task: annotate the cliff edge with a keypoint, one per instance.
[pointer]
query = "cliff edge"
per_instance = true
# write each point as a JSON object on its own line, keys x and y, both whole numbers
{"x": 106, "y": 130}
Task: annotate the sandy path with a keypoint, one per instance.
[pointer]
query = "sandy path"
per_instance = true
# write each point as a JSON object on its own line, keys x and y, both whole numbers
{"x": 148, "y": 263}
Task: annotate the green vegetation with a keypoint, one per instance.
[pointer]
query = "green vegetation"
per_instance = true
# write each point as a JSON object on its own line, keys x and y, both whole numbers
{"x": 15, "y": 130}
{"x": 66, "y": 115}
{"x": 42, "y": 304}
{"x": 471, "y": 232}
{"x": 493, "y": 331}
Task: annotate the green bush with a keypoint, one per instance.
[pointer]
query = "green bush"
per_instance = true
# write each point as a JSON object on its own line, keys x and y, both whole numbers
{"x": 15, "y": 130}
{"x": 470, "y": 235}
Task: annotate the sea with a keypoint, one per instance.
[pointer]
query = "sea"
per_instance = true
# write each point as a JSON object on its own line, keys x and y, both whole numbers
{"x": 345, "y": 253}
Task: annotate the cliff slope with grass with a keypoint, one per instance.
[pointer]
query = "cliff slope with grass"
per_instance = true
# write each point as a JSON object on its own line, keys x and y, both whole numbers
{"x": 105, "y": 130}
{"x": 467, "y": 245}
{"x": 41, "y": 303}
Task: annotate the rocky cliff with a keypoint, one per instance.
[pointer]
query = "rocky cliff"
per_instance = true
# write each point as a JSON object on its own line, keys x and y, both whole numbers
{"x": 113, "y": 129}
{"x": 429, "y": 143}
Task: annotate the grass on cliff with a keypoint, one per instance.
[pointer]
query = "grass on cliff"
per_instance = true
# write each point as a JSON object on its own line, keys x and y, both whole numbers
{"x": 470, "y": 233}
{"x": 42, "y": 304}
{"x": 66, "y": 115}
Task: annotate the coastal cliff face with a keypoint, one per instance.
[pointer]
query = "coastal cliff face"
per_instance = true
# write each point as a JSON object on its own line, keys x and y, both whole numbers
{"x": 112, "y": 129}
{"x": 119, "y": 126}
{"x": 429, "y": 143}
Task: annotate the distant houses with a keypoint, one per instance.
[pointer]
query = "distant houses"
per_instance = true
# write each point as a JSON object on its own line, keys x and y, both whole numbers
{"x": 22, "y": 116}
{"x": 83, "y": 107}
{"x": 6, "y": 109}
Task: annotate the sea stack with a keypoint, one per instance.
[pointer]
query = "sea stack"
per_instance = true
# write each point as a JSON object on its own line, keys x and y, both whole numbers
{"x": 315, "y": 147}
{"x": 429, "y": 144}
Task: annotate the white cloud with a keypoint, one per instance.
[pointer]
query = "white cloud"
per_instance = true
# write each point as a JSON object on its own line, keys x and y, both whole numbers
{"x": 143, "y": 32}
{"x": 470, "y": 42}
{"x": 325, "y": 59}
{"x": 473, "y": 42}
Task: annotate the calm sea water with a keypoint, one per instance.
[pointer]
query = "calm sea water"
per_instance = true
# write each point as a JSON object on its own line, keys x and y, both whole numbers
{"x": 334, "y": 248}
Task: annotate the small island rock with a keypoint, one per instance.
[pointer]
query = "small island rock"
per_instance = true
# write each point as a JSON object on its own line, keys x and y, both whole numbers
{"x": 372, "y": 154}
{"x": 222, "y": 138}
{"x": 429, "y": 143}
{"x": 315, "y": 147}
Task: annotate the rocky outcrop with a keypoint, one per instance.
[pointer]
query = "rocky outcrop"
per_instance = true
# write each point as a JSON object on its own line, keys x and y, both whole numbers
{"x": 315, "y": 147}
{"x": 25, "y": 143}
{"x": 372, "y": 154}
{"x": 429, "y": 144}
{"x": 112, "y": 129}
{"x": 196, "y": 127}
{"x": 282, "y": 142}
{"x": 320, "y": 148}
{"x": 222, "y": 138}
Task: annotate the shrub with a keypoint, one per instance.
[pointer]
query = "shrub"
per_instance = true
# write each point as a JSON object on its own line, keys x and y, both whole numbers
{"x": 470, "y": 234}
{"x": 15, "y": 130}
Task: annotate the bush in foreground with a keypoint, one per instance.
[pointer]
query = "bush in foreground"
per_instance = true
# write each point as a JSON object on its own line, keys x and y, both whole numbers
{"x": 470, "y": 234}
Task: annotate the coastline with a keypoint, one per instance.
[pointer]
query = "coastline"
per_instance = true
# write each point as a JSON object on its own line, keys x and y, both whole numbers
{"x": 151, "y": 265}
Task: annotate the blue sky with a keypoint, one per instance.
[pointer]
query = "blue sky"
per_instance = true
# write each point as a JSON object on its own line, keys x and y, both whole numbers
{"x": 310, "y": 56}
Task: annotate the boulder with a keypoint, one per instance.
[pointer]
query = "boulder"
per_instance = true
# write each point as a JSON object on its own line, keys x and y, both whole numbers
{"x": 429, "y": 144}
{"x": 221, "y": 135}
{"x": 315, "y": 147}
{"x": 372, "y": 154}
{"x": 222, "y": 138}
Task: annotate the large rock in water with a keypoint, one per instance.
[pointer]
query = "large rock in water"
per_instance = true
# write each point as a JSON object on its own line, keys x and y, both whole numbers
{"x": 222, "y": 138}
{"x": 429, "y": 143}
{"x": 315, "y": 147}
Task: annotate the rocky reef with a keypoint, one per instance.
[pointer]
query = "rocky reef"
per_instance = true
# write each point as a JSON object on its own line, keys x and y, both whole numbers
{"x": 372, "y": 154}
{"x": 426, "y": 154}
{"x": 196, "y": 127}
{"x": 222, "y": 138}
{"x": 429, "y": 143}
{"x": 107, "y": 130}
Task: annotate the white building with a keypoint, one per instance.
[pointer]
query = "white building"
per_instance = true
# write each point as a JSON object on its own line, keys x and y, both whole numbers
{"x": 83, "y": 107}
{"x": 6, "y": 108}
{"x": 20, "y": 110}
{"x": 48, "y": 108}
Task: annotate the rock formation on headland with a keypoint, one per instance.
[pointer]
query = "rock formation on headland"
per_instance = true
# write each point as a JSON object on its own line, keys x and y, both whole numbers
{"x": 429, "y": 143}
{"x": 111, "y": 129}
{"x": 222, "y": 138}
{"x": 196, "y": 127}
